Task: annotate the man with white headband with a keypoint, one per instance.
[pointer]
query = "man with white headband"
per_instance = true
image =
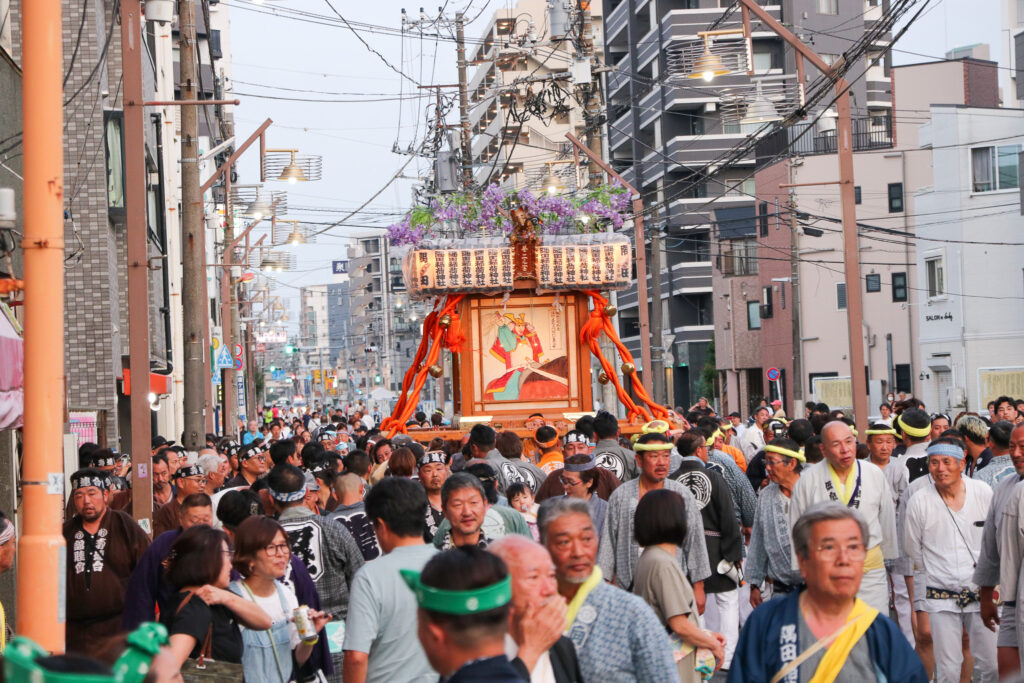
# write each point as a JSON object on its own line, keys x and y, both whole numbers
{"x": 327, "y": 548}
{"x": 943, "y": 539}
{"x": 103, "y": 548}
{"x": 619, "y": 551}
{"x": 881, "y": 442}
{"x": 841, "y": 478}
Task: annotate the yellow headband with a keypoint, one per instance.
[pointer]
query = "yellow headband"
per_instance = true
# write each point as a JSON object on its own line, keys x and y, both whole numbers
{"x": 653, "y": 446}
{"x": 655, "y": 427}
{"x": 916, "y": 432}
{"x": 633, "y": 438}
{"x": 876, "y": 432}
{"x": 796, "y": 455}
{"x": 711, "y": 439}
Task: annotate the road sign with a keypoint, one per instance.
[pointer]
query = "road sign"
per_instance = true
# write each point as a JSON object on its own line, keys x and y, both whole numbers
{"x": 339, "y": 267}
{"x": 238, "y": 364}
{"x": 224, "y": 361}
{"x": 773, "y": 374}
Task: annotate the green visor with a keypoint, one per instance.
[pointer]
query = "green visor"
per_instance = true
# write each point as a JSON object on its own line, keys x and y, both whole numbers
{"x": 471, "y": 601}
{"x": 20, "y": 665}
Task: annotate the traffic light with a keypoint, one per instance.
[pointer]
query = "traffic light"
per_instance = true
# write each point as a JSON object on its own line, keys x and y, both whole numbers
{"x": 273, "y": 368}
{"x": 376, "y": 379}
{"x": 289, "y": 349}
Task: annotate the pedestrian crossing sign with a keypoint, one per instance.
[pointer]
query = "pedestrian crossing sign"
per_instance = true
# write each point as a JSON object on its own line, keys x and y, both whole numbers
{"x": 224, "y": 361}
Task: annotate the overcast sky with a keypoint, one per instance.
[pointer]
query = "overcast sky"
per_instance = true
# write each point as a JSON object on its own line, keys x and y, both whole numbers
{"x": 282, "y": 56}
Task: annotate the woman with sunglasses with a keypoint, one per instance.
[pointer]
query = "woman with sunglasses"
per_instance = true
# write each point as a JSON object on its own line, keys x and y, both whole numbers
{"x": 261, "y": 555}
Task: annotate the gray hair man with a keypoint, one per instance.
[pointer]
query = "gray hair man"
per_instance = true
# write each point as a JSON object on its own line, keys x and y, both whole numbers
{"x": 943, "y": 539}
{"x": 829, "y": 540}
{"x": 616, "y": 634}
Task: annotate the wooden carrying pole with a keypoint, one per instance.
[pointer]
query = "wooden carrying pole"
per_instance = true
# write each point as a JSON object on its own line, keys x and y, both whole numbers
{"x": 41, "y": 549}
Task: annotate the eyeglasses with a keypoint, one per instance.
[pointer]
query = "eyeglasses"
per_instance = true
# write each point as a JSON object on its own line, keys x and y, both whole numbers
{"x": 229, "y": 553}
{"x": 772, "y": 463}
{"x": 570, "y": 482}
{"x": 830, "y": 551}
{"x": 275, "y": 549}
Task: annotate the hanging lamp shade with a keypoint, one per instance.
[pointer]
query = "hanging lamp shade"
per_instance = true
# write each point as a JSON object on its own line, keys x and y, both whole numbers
{"x": 761, "y": 110}
{"x": 708, "y": 65}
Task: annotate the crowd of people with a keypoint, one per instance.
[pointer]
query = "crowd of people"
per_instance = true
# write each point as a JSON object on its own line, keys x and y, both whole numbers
{"x": 311, "y": 547}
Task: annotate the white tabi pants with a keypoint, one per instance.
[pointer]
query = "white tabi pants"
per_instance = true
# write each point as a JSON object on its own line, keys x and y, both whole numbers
{"x": 901, "y": 599}
{"x": 745, "y": 607}
{"x": 722, "y": 615}
{"x": 947, "y": 638}
{"x": 874, "y": 590}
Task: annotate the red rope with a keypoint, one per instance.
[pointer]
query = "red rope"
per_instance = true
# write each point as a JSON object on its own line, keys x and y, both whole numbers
{"x": 592, "y": 332}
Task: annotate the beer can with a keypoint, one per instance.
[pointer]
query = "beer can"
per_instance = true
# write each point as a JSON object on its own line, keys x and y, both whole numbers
{"x": 304, "y": 625}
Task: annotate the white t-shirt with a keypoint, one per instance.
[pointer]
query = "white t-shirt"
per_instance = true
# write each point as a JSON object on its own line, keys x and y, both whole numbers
{"x": 542, "y": 670}
{"x": 271, "y": 604}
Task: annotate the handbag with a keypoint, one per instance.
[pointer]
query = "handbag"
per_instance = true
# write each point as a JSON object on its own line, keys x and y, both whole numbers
{"x": 205, "y": 668}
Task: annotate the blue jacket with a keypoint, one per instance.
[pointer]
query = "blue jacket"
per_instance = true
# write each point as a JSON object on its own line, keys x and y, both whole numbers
{"x": 758, "y": 657}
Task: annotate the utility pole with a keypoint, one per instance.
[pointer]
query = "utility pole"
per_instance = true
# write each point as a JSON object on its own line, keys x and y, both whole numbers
{"x": 41, "y": 548}
{"x": 794, "y": 280}
{"x": 138, "y": 258}
{"x": 229, "y": 314}
{"x": 657, "y": 352}
{"x": 467, "y": 147}
{"x": 193, "y": 272}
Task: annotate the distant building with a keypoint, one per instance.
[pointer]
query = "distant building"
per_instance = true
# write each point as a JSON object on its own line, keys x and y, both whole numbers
{"x": 796, "y": 237}
{"x": 969, "y": 258}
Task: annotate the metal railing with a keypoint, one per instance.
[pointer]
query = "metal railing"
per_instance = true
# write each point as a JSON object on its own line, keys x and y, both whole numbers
{"x": 869, "y": 132}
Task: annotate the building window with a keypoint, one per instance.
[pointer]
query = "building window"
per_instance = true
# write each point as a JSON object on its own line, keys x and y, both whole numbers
{"x": 856, "y": 194}
{"x": 841, "y": 296}
{"x": 995, "y": 168}
{"x": 903, "y": 382}
{"x": 749, "y": 187}
{"x": 762, "y": 211}
{"x": 828, "y": 7}
{"x": 739, "y": 257}
{"x": 873, "y": 282}
{"x": 935, "y": 272}
{"x": 753, "y": 315}
{"x": 767, "y": 309}
{"x": 899, "y": 286}
{"x": 895, "y": 197}
{"x": 762, "y": 60}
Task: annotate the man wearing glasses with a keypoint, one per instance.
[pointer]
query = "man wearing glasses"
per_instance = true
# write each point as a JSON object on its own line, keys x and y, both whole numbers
{"x": 188, "y": 479}
{"x": 252, "y": 464}
{"x": 826, "y": 631}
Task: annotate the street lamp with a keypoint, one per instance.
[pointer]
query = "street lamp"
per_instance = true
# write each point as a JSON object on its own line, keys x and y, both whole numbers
{"x": 292, "y": 172}
{"x": 259, "y": 208}
{"x": 708, "y": 65}
{"x": 760, "y": 110}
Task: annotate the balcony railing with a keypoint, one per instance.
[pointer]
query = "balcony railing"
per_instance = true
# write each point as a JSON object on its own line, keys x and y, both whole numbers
{"x": 869, "y": 132}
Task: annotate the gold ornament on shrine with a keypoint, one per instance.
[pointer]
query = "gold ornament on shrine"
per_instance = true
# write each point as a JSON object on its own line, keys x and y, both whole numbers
{"x": 602, "y": 377}
{"x": 435, "y": 370}
{"x": 628, "y": 368}
{"x": 445, "y": 320}
{"x": 610, "y": 310}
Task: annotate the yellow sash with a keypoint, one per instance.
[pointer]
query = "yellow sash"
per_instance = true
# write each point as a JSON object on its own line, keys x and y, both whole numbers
{"x": 836, "y": 654}
{"x": 577, "y": 601}
{"x": 874, "y": 560}
{"x": 3, "y": 629}
{"x": 844, "y": 489}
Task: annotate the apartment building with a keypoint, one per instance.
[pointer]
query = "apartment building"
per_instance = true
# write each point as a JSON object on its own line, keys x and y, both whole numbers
{"x": 665, "y": 133}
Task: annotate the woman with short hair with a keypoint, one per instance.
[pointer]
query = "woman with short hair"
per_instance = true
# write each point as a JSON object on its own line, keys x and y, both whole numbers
{"x": 262, "y": 554}
{"x": 660, "y": 528}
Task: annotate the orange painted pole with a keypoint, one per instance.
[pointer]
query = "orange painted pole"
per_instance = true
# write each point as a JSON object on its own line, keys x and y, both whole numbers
{"x": 41, "y": 551}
